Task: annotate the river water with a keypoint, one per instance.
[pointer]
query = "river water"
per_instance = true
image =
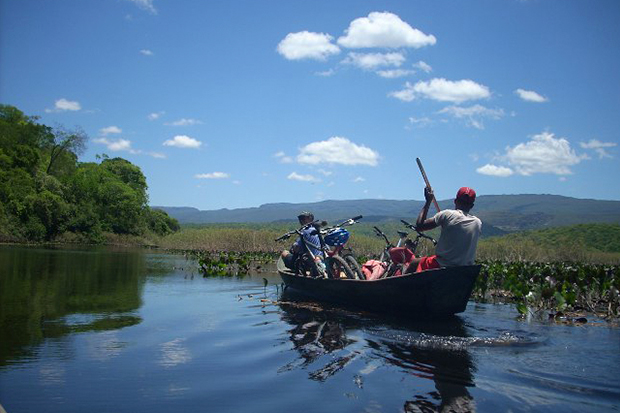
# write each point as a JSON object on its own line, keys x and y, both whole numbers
{"x": 117, "y": 330}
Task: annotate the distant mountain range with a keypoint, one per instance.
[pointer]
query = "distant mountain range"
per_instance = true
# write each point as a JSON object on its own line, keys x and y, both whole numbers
{"x": 499, "y": 213}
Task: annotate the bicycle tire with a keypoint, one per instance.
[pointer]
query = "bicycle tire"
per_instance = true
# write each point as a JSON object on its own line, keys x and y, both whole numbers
{"x": 305, "y": 265}
{"x": 355, "y": 267}
{"x": 335, "y": 265}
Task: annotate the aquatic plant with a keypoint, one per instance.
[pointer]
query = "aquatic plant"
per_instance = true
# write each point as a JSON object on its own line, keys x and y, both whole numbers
{"x": 229, "y": 263}
{"x": 559, "y": 286}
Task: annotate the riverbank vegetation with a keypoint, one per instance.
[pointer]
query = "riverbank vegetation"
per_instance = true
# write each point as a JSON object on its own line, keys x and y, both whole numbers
{"x": 47, "y": 195}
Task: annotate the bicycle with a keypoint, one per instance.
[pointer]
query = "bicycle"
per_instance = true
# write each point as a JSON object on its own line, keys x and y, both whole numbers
{"x": 305, "y": 263}
{"x": 336, "y": 238}
{"x": 397, "y": 264}
{"x": 391, "y": 265}
{"x": 416, "y": 242}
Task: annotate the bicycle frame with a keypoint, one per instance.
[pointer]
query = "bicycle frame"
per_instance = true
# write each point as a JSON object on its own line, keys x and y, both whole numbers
{"x": 315, "y": 269}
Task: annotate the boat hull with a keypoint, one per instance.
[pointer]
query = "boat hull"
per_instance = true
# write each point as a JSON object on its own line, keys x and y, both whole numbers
{"x": 437, "y": 292}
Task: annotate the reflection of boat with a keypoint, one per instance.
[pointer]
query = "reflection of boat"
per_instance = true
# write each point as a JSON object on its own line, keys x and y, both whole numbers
{"x": 374, "y": 350}
{"x": 437, "y": 292}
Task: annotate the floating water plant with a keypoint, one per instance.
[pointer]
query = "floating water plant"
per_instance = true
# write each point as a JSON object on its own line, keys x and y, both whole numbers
{"x": 555, "y": 286}
{"x": 229, "y": 263}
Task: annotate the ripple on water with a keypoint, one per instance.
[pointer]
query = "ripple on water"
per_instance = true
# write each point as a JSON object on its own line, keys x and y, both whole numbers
{"x": 436, "y": 342}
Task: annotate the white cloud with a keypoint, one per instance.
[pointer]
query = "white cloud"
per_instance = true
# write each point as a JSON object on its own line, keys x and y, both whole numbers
{"x": 307, "y": 45}
{"x": 383, "y": 30}
{"x": 595, "y": 143}
{"x": 473, "y": 114}
{"x": 423, "y": 66}
{"x": 395, "y": 73}
{"x": 110, "y": 130}
{"x": 324, "y": 172}
{"x": 369, "y": 61}
{"x": 359, "y": 179}
{"x": 599, "y": 147}
{"x": 184, "y": 122}
{"x": 420, "y": 121}
{"x": 602, "y": 153}
{"x": 337, "y": 150}
{"x": 443, "y": 90}
{"x": 304, "y": 178}
{"x": 544, "y": 153}
{"x": 183, "y": 141}
{"x": 146, "y": 52}
{"x": 406, "y": 95}
{"x": 326, "y": 73}
{"x": 157, "y": 155}
{"x": 155, "y": 115}
{"x": 213, "y": 175}
{"x": 64, "y": 105}
{"x": 494, "y": 170}
{"x": 116, "y": 145}
{"x": 145, "y": 5}
{"x": 121, "y": 144}
{"x": 530, "y": 96}
{"x": 283, "y": 157}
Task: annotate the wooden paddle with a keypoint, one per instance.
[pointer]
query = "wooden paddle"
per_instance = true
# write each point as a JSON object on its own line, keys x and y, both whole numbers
{"x": 428, "y": 184}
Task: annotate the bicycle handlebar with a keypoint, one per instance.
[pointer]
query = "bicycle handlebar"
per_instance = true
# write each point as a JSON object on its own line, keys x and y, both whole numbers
{"x": 428, "y": 238}
{"x": 349, "y": 221}
{"x": 316, "y": 224}
{"x": 285, "y": 236}
{"x": 380, "y": 233}
{"x": 420, "y": 234}
{"x": 408, "y": 225}
{"x": 298, "y": 231}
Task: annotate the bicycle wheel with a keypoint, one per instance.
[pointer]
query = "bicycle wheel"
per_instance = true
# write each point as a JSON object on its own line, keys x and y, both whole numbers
{"x": 355, "y": 267}
{"x": 305, "y": 266}
{"x": 337, "y": 265}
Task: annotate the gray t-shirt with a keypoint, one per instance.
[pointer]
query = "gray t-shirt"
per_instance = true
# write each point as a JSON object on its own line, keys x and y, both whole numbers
{"x": 459, "y": 237}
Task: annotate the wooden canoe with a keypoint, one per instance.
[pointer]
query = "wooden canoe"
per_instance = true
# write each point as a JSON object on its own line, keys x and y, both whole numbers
{"x": 432, "y": 293}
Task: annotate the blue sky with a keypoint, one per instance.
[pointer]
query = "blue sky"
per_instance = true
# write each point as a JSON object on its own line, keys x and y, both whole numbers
{"x": 227, "y": 104}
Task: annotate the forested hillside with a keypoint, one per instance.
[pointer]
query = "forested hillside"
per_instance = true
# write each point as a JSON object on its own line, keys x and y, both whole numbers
{"x": 500, "y": 213}
{"x": 45, "y": 192}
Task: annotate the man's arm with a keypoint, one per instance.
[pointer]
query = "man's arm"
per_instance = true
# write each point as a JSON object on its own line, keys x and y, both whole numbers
{"x": 422, "y": 223}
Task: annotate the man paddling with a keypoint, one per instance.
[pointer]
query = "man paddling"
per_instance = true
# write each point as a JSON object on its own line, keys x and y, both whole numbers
{"x": 459, "y": 232}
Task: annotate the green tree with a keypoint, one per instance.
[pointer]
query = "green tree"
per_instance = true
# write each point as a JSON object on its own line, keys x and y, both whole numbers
{"x": 63, "y": 148}
{"x": 45, "y": 191}
{"x": 160, "y": 222}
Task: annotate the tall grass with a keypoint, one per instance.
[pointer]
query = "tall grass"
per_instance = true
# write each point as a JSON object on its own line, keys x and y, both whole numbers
{"x": 511, "y": 249}
{"x": 523, "y": 249}
{"x": 223, "y": 239}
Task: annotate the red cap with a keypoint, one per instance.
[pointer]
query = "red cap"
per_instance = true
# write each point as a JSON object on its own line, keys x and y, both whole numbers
{"x": 466, "y": 195}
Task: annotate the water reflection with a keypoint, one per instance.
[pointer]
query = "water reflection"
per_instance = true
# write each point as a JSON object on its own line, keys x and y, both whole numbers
{"x": 47, "y": 293}
{"x": 424, "y": 350}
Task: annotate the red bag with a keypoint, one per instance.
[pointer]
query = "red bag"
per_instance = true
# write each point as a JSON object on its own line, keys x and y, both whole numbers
{"x": 401, "y": 255}
{"x": 373, "y": 269}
